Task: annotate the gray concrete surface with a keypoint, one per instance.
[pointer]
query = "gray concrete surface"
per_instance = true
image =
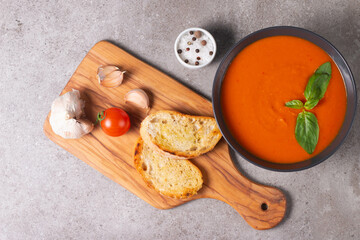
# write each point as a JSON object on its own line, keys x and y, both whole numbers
{"x": 46, "y": 193}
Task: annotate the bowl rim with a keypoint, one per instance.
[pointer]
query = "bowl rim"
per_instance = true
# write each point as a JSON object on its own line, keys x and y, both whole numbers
{"x": 345, "y": 73}
{"x": 177, "y": 42}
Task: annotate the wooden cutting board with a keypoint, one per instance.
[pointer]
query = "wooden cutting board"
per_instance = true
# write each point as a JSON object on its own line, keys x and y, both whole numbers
{"x": 262, "y": 207}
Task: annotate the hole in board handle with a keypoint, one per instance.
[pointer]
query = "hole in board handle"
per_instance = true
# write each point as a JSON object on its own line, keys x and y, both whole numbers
{"x": 264, "y": 206}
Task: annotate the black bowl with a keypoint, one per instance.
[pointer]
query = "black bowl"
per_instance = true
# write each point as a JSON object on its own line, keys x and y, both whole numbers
{"x": 331, "y": 51}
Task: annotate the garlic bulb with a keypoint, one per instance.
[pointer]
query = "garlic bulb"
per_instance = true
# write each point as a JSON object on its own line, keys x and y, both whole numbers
{"x": 110, "y": 76}
{"x": 67, "y": 116}
{"x": 138, "y": 97}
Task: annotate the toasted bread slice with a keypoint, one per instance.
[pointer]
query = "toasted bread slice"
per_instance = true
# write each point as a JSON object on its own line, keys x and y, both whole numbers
{"x": 169, "y": 177}
{"x": 178, "y": 135}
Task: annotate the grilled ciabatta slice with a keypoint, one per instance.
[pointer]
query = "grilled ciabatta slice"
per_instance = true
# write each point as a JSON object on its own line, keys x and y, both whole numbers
{"x": 178, "y": 135}
{"x": 169, "y": 177}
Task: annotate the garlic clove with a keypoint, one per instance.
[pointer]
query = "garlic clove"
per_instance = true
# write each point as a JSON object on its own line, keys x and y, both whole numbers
{"x": 112, "y": 80}
{"x": 110, "y": 76}
{"x": 138, "y": 97}
{"x": 105, "y": 70}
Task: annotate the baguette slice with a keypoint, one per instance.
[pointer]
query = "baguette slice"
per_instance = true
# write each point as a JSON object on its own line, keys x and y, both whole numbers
{"x": 169, "y": 177}
{"x": 178, "y": 135}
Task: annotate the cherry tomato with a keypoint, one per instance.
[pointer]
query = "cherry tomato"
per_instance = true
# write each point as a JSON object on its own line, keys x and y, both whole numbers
{"x": 114, "y": 121}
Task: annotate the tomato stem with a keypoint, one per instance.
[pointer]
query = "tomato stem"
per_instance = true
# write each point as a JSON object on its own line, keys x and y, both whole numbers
{"x": 101, "y": 116}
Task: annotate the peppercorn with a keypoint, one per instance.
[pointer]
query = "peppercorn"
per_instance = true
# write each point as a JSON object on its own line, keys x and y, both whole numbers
{"x": 196, "y": 63}
{"x": 198, "y": 58}
{"x": 194, "y": 38}
{"x": 211, "y": 52}
{"x": 191, "y": 32}
{"x": 197, "y": 50}
{"x": 186, "y": 61}
{"x": 198, "y": 34}
{"x": 179, "y": 51}
{"x": 187, "y": 49}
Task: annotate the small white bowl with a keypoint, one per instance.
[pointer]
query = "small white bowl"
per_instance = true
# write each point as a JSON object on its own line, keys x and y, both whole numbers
{"x": 182, "y": 37}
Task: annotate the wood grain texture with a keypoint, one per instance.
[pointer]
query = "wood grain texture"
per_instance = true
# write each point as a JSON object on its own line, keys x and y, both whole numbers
{"x": 113, "y": 157}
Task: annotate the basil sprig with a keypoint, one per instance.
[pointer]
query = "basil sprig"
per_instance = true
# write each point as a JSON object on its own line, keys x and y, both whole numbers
{"x": 307, "y": 127}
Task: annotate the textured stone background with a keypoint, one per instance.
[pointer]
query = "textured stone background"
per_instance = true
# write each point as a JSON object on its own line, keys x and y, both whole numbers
{"x": 46, "y": 193}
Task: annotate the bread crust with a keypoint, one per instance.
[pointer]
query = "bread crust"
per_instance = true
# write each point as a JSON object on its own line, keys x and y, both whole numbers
{"x": 177, "y": 154}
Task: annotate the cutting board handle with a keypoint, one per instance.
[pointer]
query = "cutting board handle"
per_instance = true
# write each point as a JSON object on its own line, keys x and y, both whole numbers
{"x": 262, "y": 207}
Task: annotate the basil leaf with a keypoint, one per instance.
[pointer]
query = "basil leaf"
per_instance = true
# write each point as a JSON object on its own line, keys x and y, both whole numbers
{"x": 297, "y": 104}
{"x": 311, "y": 104}
{"x": 307, "y": 131}
{"x": 324, "y": 68}
{"x": 318, "y": 83}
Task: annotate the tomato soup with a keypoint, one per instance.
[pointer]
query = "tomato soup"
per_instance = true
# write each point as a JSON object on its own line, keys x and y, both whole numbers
{"x": 261, "y": 79}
